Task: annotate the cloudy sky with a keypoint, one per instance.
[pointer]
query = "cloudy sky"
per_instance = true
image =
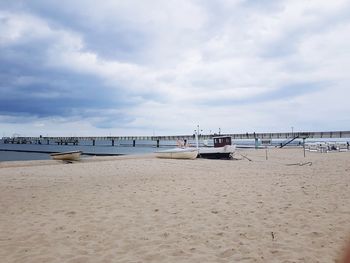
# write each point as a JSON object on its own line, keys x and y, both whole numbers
{"x": 161, "y": 67}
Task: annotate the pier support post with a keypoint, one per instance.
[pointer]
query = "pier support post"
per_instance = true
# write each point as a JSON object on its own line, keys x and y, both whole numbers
{"x": 133, "y": 143}
{"x": 304, "y": 145}
{"x": 48, "y": 142}
{"x": 157, "y": 143}
{"x": 256, "y": 143}
{"x": 93, "y": 142}
{"x": 112, "y": 142}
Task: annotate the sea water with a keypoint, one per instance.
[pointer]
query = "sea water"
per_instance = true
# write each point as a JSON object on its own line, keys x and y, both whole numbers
{"x": 19, "y": 152}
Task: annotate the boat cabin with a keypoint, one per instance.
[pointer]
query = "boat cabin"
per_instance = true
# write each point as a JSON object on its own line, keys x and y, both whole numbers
{"x": 222, "y": 141}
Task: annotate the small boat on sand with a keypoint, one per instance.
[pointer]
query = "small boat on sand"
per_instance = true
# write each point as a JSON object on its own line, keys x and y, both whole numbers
{"x": 178, "y": 153}
{"x": 66, "y": 156}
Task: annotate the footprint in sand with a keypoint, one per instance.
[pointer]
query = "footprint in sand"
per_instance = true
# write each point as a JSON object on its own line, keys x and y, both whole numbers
{"x": 227, "y": 253}
{"x": 71, "y": 213}
{"x": 79, "y": 260}
{"x": 58, "y": 211}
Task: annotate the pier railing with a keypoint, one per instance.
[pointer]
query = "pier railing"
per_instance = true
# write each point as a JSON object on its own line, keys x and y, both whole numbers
{"x": 239, "y": 136}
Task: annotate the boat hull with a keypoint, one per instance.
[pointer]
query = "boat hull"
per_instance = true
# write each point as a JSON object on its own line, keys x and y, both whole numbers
{"x": 178, "y": 154}
{"x": 215, "y": 155}
{"x": 225, "y": 152}
{"x": 67, "y": 156}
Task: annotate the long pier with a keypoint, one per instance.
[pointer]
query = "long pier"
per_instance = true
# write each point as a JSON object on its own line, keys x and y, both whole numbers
{"x": 157, "y": 139}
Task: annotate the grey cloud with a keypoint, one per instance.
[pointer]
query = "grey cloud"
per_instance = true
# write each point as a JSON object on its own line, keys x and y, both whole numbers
{"x": 175, "y": 61}
{"x": 283, "y": 93}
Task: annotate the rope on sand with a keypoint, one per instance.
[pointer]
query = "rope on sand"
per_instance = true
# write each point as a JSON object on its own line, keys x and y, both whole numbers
{"x": 245, "y": 157}
{"x": 300, "y": 164}
{"x": 288, "y": 164}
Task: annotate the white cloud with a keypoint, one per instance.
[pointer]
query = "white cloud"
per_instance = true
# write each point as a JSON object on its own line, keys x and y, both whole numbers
{"x": 21, "y": 28}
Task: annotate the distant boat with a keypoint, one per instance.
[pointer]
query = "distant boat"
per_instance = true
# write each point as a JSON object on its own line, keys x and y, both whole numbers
{"x": 67, "y": 156}
{"x": 223, "y": 149}
{"x": 178, "y": 153}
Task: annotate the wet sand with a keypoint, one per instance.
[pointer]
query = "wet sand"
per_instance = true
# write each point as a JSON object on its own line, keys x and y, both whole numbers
{"x": 143, "y": 209}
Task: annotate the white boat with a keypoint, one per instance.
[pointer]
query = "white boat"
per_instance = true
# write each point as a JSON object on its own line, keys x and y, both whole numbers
{"x": 178, "y": 153}
{"x": 67, "y": 156}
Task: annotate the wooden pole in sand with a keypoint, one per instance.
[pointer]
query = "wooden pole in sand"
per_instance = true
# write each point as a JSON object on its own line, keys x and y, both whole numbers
{"x": 304, "y": 146}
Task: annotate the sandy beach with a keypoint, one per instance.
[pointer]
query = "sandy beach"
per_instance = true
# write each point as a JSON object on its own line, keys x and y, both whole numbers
{"x": 143, "y": 209}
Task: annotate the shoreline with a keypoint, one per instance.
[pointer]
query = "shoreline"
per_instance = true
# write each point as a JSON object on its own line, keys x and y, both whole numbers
{"x": 49, "y": 152}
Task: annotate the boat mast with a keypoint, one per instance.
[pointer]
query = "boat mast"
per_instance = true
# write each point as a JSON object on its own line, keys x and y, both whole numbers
{"x": 196, "y": 135}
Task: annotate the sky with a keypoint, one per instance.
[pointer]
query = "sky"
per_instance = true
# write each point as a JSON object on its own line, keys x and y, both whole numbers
{"x": 101, "y": 68}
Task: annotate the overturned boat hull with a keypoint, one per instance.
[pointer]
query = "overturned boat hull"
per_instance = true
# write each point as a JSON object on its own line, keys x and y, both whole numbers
{"x": 67, "y": 156}
{"x": 178, "y": 153}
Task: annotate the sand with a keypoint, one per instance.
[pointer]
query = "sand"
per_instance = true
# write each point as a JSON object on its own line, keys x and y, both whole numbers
{"x": 143, "y": 209}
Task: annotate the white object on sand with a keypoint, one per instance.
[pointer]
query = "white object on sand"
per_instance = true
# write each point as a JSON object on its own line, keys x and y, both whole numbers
{"x": 178, "y": 153}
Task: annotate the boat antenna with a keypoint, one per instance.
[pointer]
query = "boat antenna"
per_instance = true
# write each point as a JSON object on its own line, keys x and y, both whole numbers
{"x": 197, "y": 135}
